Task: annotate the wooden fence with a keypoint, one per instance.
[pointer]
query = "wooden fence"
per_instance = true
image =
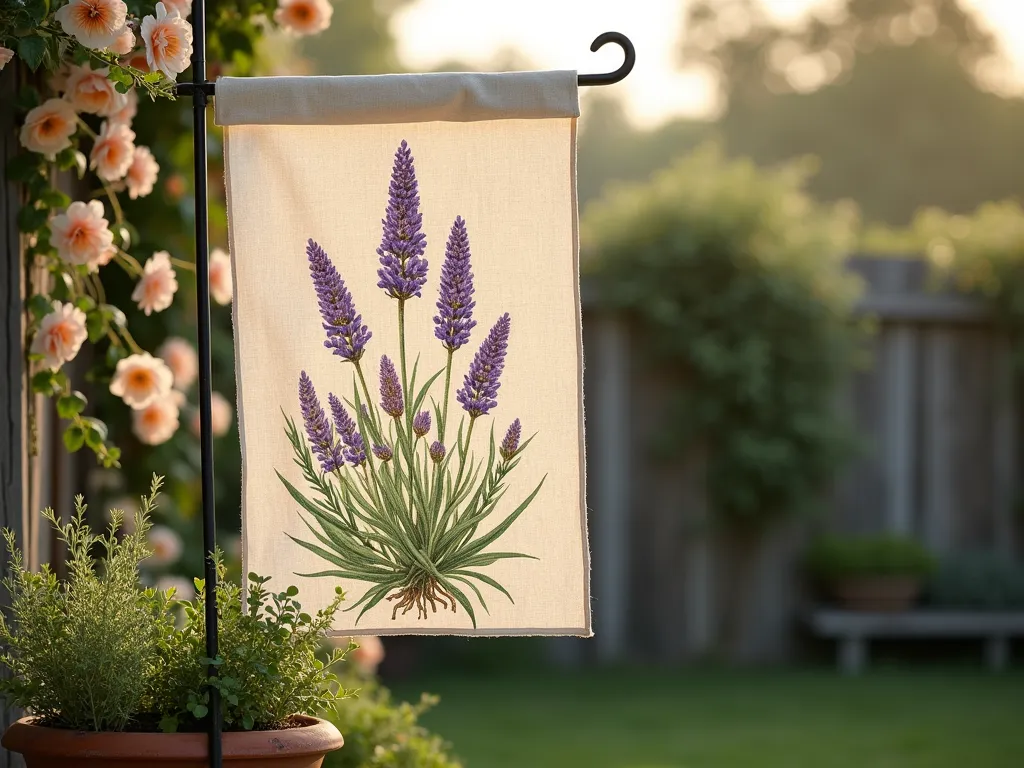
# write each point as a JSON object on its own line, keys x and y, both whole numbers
{"x": 935, "y": 408}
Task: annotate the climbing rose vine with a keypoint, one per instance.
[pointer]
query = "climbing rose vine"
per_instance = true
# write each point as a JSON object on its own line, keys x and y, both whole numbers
{"x": 94, "y": 65}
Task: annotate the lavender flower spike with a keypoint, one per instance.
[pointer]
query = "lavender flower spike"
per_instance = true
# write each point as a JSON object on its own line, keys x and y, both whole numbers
{"x": 345, "y": 426}
{"x": 383, "y": 452}
{"x": 510, "y": 444}
{"x": 455, "y": 303}
{"x": 480, "y": 385}
{"x": 390, "y": 389}
{"x": 437, "y": 451}
{"x": 318, "y": 428}
{"x": 402, "y": 271}
{"x": 346, "y": 334}
{"x": 421, "y": 423}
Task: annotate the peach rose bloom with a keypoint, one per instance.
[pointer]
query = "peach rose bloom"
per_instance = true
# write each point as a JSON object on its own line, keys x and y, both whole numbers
{"x": 155, "y": 290}
{"x": 60, "y": 336}
{"x": 168, "y": 41}
{"x": 304, "y": 17}
{"x": 221, "y": 413}
{"x": 157, "y": 422}
{"x": 182, "y": 359}
{"x": 164, "y": 543}
{"x": 112, "y": 152}
{"x": 369, "y": 654}
{"x": 141, "y": 380}
{"x": 6, "y": 54}
{"x": 142, "y": 173}
{"x": 221, "y": 284}
{"x": 127, "y": 113}
{"x": 81, "y": 234}
{"x": 89, "y": 90}
{"x": 125, "y": 42}
{"x": 94, "y": 23}
{"x": 183, "y": 7}
{"x": 48, "y": 128}
{"x": 138, "y": 60}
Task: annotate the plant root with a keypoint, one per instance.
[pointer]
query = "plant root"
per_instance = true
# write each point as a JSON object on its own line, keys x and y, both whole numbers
{"x": 419, "y": 595}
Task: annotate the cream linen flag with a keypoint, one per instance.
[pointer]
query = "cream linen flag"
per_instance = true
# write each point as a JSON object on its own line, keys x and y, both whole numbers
{"x": 408, "y": 353}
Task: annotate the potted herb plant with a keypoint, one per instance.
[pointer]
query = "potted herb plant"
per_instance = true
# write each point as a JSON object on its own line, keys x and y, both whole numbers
{"x": 870, "y": 573}
{"x": 113, "y": 672}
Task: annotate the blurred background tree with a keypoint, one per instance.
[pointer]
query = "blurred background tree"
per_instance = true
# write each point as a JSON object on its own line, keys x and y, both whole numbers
{"x": 906, "y": 103}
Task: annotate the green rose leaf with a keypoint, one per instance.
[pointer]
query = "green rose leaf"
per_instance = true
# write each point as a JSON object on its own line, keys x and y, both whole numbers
{"x": 39, "y": 306}
{"x": 113, "y": 315}
{"x": 44, "y": 383}
{"x": 115, "y": 353}
{"x": 37, "y": 9}
{"x": 96, "y": 325}
{"x": 31, "y": 50}
{"x": 66, "y": 159}
{"x": 74, "y": 438}
{"x": 31, "y": 218}
{"x": 96, "y": 433}
{"x": 54, "y": 198}
{"x": 69, "y": 406}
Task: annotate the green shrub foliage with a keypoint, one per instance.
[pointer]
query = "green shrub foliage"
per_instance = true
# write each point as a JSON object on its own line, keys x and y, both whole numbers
{"x": 833, "y": 558}
{"x": 83, "y": 653}
{"x": 734, "y": 281}
{"x": 101, "y": 652}
{"x": 981, "y": 255}
{"x": 978, "y": 581}
{"x": 380, "y": 734}
{"x": 267, "y": 669}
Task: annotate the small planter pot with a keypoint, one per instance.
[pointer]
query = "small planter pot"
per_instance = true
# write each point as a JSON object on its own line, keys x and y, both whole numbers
{"x": 882, "y": 594}
{"x": 300, "y": 747}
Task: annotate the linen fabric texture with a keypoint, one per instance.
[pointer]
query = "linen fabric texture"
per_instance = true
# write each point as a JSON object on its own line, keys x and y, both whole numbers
{"x": 380, "y": 227}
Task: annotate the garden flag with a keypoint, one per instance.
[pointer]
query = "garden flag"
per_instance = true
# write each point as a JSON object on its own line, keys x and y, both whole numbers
{"x": 408, "y": 351}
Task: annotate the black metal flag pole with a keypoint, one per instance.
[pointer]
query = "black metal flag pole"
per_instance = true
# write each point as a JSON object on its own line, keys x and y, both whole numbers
{"x": 199, "y": 102}
{"x": 200, "y": 89}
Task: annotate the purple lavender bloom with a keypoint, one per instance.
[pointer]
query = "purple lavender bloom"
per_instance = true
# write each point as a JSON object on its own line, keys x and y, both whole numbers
{"x": 346, "y": 334}
{"x": 345, "y": 426}
{"x": 402, "y": 271}
{"x": 390, "y": 389}
{"x": 437, "y": 452}
{"x": 510, "y": 444}
{"x": 383, "y": 452}
{"x": 480, "y": 385}
{"x": 421, "y": 423}
{"x": 455, "y": 303}
{"x": 318, "y": 428}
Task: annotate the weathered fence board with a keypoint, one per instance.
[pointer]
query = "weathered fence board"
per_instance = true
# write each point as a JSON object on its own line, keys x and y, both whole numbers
{"x": 938, "y": 417}
{"x": 13, "y": 472}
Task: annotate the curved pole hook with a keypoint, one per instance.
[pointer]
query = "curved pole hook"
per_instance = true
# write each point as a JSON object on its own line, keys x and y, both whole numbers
{"x": 619, "y": 74}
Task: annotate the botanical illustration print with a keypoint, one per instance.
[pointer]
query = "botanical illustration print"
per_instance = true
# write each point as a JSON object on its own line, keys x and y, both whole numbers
{"x": 413, "y": 514}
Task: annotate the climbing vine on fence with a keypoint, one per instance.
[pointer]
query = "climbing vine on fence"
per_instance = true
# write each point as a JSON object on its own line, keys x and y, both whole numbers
{"x": 734, "y": 279}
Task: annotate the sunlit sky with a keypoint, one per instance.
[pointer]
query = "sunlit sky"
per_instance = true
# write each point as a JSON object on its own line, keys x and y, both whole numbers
{"x": 556, "y": 34}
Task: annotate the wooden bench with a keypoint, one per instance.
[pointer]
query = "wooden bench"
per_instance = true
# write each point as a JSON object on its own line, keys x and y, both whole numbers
{"x": 853, "y": 630}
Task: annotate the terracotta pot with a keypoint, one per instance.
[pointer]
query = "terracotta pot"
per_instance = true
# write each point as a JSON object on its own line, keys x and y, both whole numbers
{"x": 884, "y": 594}
{"x": 302, "y": 747}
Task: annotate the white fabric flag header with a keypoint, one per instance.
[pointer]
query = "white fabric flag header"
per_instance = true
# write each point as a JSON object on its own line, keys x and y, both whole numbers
{"x": 408, "y": 349}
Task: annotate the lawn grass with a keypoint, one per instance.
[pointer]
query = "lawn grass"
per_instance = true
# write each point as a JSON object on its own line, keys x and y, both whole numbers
{"x": 731, "y": 719}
